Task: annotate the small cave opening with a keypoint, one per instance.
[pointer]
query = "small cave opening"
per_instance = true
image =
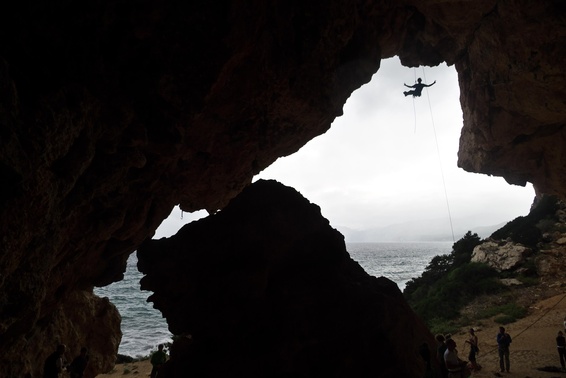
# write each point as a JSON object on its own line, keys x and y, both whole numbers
{"x": 143, "y": 327}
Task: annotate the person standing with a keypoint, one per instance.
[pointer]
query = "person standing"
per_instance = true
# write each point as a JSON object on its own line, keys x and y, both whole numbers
{"x": 561, "y": 346}
{"x": 158, "y": 358}
{"x": 55, "y": 363}
{"x": 441, "y": 348}
{"x": 78, "y": 366}
{"x": 473, "y": 341}
{"x": 503, "y": 342}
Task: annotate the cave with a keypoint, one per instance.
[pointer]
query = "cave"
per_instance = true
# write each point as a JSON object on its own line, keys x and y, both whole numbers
{"x": 112, "y": 114}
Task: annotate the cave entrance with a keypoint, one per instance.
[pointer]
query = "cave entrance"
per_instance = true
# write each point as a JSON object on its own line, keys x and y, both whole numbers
{"x": 375, "y": 174}
{"x": 377, "y": 178}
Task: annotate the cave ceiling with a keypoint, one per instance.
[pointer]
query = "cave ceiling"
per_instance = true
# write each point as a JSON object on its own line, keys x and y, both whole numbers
{"x": 111, "y": 114}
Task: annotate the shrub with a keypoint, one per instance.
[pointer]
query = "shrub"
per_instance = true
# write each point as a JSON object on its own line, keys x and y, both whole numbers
{"x": 463, "y": 248}
{"x": 443, "y": 326}
{"x": 444, "y": 298}
{"x": 524, "y": 230}
{"x": 440, "y": 265}
{"x": 508, "y": 313}
{"x": 505, "y": 319}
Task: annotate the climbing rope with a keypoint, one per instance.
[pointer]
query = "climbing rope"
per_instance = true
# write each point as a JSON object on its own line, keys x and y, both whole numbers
{"x": 437, "y": 150}
{"x": 532, "y": 324}
{"x": 414, "y": 108}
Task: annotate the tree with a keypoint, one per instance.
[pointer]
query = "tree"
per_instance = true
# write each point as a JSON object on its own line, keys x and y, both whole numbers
{"x": 463, "y": 248}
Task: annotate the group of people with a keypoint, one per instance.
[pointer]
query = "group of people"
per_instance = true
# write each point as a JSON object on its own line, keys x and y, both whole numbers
{"x": 454, "y": 367}
{"x": 450, "y": 364}
{"x": 56, "y": 363}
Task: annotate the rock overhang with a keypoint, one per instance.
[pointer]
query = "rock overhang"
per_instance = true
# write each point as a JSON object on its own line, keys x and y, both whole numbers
{"x": 111, "y": 115}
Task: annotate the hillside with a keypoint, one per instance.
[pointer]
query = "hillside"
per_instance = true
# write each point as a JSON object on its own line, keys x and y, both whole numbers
{"x": 515, "y": 278}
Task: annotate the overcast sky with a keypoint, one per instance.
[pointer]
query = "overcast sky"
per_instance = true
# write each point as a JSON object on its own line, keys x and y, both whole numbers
{"x": 390, "y": 159}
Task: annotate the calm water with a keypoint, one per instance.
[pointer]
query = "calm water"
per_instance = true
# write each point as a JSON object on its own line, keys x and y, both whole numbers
{"x": 144, "y": 328}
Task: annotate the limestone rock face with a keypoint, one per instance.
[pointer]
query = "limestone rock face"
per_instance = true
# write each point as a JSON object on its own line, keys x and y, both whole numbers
{"x": 501, "y": 256}
{"x": 550, "y": 263}
{"x": 111, "y": 114}
{"x": 82, "y": 320}
{"x": 266, "y": 288}
{"x": 512, "y": 95}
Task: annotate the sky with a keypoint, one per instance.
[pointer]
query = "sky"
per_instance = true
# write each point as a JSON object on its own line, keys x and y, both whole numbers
{"x": 392, "y": 160}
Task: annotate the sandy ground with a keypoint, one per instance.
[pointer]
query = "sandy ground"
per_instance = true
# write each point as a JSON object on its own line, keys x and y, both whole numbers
{"x": 533, "y": 346}
{"x": 133, "y": 370}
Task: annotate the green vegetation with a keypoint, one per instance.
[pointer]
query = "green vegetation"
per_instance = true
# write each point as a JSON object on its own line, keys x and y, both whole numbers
{"x": 444, "y": 326}
{"x": 449, "y": 282}
{"x": 528, "y": 230}
{"x": 507, "y": 313}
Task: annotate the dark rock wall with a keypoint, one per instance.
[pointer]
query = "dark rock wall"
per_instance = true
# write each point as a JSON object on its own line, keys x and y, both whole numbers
{"x": 266, "y": 288}
{"x": 111, "y": 114}
{"x": 512, "y": 94}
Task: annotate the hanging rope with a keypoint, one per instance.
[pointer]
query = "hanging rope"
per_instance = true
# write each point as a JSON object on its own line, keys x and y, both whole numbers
{"x": 414, "y": 109}
{"x": 439, "y": 158}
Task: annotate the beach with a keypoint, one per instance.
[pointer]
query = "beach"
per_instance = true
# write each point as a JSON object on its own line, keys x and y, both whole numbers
{"x": 134, "y": 369}
{"x": 533, "y": 346}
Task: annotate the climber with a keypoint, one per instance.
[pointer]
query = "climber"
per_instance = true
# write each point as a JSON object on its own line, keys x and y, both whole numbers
{"x": 418, "y": 88}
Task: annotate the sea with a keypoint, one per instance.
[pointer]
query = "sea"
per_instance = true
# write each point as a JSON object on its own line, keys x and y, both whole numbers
{"x": 143, "y": 327}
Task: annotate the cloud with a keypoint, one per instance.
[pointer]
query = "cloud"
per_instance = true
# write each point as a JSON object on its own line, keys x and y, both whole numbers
{"x": 391, "y": 158}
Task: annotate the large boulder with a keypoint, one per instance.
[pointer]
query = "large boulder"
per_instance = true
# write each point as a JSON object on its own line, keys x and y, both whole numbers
{"x": 266, "y": 288}
{"x": 501, "y": 255}
{"x": 82, "y": 320}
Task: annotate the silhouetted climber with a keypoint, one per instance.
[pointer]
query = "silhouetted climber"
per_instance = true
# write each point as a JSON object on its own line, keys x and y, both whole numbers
{"x": 418, "y": 88}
